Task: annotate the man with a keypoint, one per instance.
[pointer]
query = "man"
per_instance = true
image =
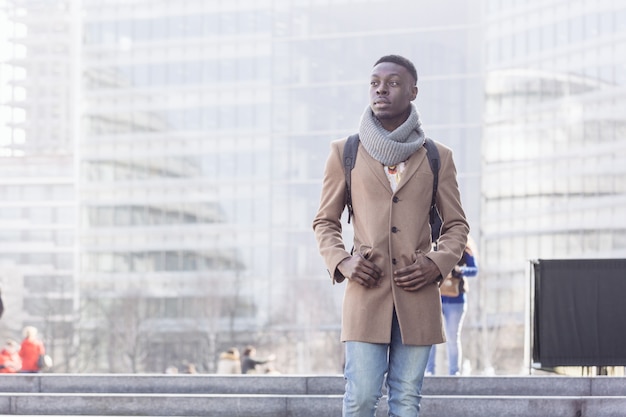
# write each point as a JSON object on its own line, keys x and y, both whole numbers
{"x": 392, "y": 306}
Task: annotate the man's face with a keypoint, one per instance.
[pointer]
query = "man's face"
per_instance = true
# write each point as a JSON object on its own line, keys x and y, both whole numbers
{"x": 392, "y": 88}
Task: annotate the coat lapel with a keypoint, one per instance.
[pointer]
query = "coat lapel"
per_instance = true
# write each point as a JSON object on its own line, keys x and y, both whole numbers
{"x": 375, "y": 167}
{"x": 412, "y": 165}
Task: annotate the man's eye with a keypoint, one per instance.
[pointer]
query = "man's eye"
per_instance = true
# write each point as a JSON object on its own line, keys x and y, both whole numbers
{"x": 393, "y": 83}
{"x": 373, "y": 83}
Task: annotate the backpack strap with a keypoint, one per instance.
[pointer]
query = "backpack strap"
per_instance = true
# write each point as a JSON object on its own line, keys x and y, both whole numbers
{"x": 433, "y": 159}
{"x": 349, "y": 158}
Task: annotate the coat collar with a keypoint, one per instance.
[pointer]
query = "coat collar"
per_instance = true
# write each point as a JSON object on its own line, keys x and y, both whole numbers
{"x": 411, "y": 167}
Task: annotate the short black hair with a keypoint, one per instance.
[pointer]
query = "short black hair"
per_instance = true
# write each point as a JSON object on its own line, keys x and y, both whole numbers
{"x": 402, "y": 61}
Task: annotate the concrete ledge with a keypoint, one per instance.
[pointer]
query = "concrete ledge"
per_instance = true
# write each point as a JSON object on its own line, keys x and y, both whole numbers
{"x": 301, "y": 395}
{"x": 604, "y": 407}
{"x": 173, "y": 384}
{"x": 509, "y": 385}
{"x": 525, "y": 385}
{"x": 303, "y": 384}
{"x": 519, "y": 406}
{"x": 299, "y": 406}
{"x": 170, "y": 405}
{"x": 608, "y": 386}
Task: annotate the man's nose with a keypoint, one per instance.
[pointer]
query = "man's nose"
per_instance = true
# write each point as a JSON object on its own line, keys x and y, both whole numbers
{"x": 382, "y": 89}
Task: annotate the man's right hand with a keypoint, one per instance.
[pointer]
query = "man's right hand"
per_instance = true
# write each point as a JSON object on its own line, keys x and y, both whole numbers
{"x": 358, "y": 269}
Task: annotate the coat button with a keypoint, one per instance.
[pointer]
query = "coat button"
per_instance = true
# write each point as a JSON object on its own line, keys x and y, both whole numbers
{"x": 393, "y": 261}
{"x": 395, "y": 199}
{"x": 394, "y": 229}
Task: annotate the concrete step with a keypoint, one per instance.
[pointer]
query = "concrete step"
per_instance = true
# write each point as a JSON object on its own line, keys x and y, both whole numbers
{"x": 215, "y": 405}
{"x": 172, "y": 384}
{"x": 301, "y": 396}
{"x": 227, "y": 405}
{"x": 304, "y": 384}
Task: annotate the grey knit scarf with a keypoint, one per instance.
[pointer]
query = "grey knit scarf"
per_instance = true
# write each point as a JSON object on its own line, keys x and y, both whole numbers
{"x": 391, "y": 148}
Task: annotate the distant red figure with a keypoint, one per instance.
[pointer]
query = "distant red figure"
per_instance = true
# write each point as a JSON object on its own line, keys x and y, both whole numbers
{"x": 10, "y": 361}
{"x": 30, "y": 351}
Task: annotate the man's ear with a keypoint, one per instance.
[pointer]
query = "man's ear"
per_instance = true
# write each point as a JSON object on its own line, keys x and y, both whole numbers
{"x": 414, "y": 93}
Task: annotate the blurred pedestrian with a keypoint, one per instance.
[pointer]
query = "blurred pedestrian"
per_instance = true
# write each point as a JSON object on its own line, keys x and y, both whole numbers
{"x": 229, "y": 362}
{"x": 454, "y": 307}
{"x": 249, "y": 362}
{"x": 190, "y": 368}
{"x": 31, "y": 350}
{"x": 10, "y": 361}
{"x": 171, "y": 369}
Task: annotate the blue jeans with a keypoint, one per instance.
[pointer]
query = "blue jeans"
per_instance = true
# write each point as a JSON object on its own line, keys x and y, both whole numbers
{"x": 366, "y": 366}
{"x": 453, "y": 315}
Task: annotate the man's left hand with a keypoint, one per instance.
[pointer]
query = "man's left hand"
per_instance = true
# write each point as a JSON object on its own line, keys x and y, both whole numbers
{"x": 421, "y": 273}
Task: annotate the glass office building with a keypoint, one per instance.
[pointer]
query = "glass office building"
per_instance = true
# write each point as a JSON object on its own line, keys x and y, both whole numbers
{"x": 163, "y": 164}
{"x": 38, "y": 180}
{"x": 200, "y": 133}
{"x": 205, "y": 131}
{"x": 554, "y": 149}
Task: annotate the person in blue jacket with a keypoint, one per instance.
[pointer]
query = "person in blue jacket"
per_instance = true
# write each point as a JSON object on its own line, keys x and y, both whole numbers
{"x": 454, "y": 309}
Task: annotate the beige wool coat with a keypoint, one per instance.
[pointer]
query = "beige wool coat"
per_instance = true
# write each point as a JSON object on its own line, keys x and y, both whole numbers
{"x": 390, "y": 228}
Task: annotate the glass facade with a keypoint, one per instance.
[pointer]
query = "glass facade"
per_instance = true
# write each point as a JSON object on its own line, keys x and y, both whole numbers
{"x": 554, "y": 148}
{"x": 197, "y": 133}
{"x": 38, "y": 182}
{"x": 204, "y": 133}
